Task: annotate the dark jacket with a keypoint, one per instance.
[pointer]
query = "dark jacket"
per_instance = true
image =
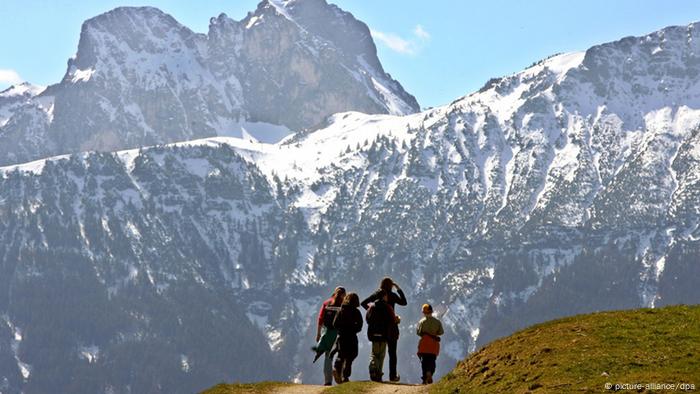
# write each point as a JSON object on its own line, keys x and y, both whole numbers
{"x": 348, "y": 322}
{"x": 394, "y": 299}
{"x": 380, "y": 321}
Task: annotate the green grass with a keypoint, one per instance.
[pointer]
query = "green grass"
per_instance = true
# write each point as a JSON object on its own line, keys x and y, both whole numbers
{"x": 245, "y": 388}
{"x": 583, "y": 353}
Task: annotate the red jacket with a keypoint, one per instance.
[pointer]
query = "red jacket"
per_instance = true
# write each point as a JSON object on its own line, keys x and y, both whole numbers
{"x": 428, "y": 345}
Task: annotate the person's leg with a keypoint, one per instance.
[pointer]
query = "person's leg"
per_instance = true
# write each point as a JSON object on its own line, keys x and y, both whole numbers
{"x": 347, "y": 369}
{"x": 381, "y": 356}
{"x": 328, "y": 368}
{"x": 373, "y": 361}
{"x": 391, "y": 346}
{"x": 423, "y": 367}
{"x": 338, "y": 365}
{"x": 430, "y": 367}
{"x": 338, "y": 368}
{"x": 351, "y": 355}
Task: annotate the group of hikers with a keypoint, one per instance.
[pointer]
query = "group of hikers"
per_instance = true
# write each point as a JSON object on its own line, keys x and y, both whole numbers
{"x": 340, "y": 320}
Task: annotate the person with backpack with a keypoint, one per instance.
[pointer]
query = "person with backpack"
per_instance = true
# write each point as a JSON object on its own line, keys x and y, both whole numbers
{"x": 326, "y": 334}
{"x": 348, "y": 322}
{"x": 380, "y": 317}
{"x": 387, "y": 284}
{"x": 429, "y": 330}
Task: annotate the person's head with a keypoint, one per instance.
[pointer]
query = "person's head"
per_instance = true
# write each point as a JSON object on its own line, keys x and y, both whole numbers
{"x": 386, "y": 284}
{"x": 339, "y": 294}
{"x": 427, "y": 309}
{"x": 352, "y": 300}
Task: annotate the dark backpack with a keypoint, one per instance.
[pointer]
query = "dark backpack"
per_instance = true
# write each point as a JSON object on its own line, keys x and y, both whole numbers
{"x": 377, "y": 317}
{"x": 329, "y": 313}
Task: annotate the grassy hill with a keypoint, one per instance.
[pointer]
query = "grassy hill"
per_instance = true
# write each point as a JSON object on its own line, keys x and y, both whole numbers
{"x": 583, "y": 353}
{"x": 575, "y": 354}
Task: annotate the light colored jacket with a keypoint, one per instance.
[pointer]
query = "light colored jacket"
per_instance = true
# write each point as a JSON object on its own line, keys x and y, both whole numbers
{"x": 429, "y": 329}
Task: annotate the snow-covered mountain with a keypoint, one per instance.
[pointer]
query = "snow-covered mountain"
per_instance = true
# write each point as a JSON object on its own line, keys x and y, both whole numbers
{"x": 15, "y": 97}
{"x": 141, "y": 78}
{"x": 569, "y": 187}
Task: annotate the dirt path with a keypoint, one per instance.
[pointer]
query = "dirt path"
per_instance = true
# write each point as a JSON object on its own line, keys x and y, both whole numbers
{"x": 300, "y": 389}
{"x": 384, "y": 388}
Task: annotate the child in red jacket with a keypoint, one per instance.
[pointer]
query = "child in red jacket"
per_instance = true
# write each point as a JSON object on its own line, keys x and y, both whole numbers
{"x": 429, "y": 330}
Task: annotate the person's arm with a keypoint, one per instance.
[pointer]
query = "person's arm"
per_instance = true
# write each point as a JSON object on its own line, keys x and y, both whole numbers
{"x": 320, "y": 321}
{"x": 440, "y": 330}
{"x": 366, "y": 301}
{"x": 338, "y": 320}
{"x": 419, "y": 328}
{"x": 402, "y": 297}
{"x": 358, "y": 321}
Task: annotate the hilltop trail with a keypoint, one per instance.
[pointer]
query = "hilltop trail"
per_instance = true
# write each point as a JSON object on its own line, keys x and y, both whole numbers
{"x": 385, "y": 388}
{"x": 299, "y": 389}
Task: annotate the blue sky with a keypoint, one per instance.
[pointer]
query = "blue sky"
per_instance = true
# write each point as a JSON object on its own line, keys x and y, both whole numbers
{"x": 439, "y": 50}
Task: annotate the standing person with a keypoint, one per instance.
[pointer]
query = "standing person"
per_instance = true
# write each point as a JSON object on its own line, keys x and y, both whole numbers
{"x": 348, "y": 322}
{"x": 380, "y": 317}
{"x": 387, "y": 284}
{"x": 429, "y": 329}
{"x": 326, "y": 334}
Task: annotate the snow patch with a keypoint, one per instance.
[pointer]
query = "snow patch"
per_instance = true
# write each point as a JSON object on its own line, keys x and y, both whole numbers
{"x": 82, "y": 75}
{"x": 252, "y": 22}
{"x": 184, "y": 363}
{"x": 560, "y": 64}
{"x": 89, "y": 353}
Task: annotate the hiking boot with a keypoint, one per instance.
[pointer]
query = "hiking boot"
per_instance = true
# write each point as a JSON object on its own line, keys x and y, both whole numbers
{"x": 337, "y": 377}
{"x": 428, "y": 377}
{"x": 395, "y": 378}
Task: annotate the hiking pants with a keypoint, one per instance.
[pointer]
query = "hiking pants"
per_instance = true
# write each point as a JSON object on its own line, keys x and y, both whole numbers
{"x": 344, "y": 367}
{"x": 391, "y": 346}
{"x": 427, "y": 363}
{"x": 328, "y": 368}
{"x": 376, "y": 360}
{"x": 347, "y": 345}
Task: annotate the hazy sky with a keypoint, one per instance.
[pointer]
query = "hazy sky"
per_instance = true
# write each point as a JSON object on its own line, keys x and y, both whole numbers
{"x": 439, "y": 50}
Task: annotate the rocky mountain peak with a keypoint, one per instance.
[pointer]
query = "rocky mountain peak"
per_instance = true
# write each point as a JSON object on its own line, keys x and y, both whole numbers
{"x": 128, "y": 31}
{"x": 141, "y": 78}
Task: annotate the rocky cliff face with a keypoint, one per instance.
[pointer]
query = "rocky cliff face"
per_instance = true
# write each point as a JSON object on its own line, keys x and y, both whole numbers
{"x": 569, "y": 187}
{"x": 141, "y": 78}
